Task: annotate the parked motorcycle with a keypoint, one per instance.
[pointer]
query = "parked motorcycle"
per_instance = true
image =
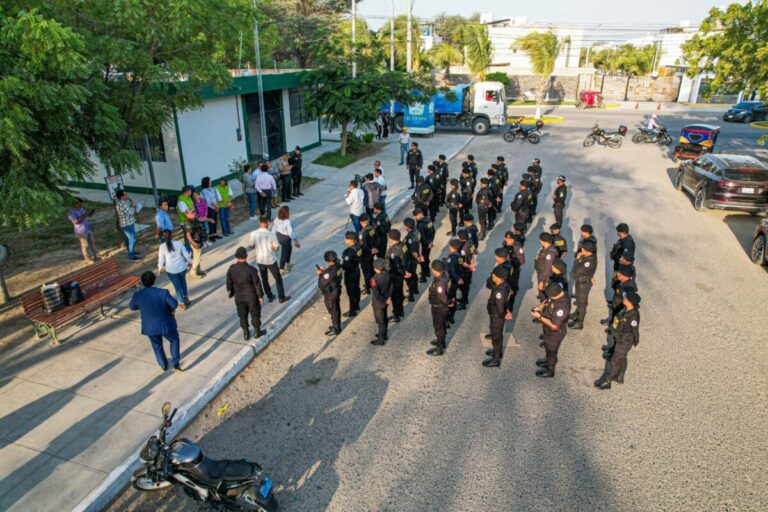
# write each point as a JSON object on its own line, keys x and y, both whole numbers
{"x": 645, "y": 136}
{"x": 610, "y": 139}
{"x": 223, "y": 484}
{"x": 517, "y": 131}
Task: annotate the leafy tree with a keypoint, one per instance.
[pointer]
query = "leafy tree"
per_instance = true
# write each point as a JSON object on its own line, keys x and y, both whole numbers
{"x": 447, "y": 26}
{"x": 477, "y": 47}
{"x": 443, "y": 55}
{"x": 626, "y": 59}
{"x": 401, "y": 43}
{"x": 499, "y": 76}
{"x": 543, "y": 49}
{"x": 733, "y": 44}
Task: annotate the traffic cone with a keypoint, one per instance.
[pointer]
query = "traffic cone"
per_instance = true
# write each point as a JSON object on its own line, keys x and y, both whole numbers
{"x": 637, "y": 105}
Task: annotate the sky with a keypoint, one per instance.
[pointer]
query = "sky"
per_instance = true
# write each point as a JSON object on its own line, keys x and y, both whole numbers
{"x": 643, "y": 13}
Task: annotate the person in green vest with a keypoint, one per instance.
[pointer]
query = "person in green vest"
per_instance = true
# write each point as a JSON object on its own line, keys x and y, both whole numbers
{"x": 184, "y": 204}
{"x": 225, "y": 204}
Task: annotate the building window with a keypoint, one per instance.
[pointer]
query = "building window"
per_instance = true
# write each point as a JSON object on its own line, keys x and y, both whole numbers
{"x": 156, "y": 147}
{"x": 300, "y": 112}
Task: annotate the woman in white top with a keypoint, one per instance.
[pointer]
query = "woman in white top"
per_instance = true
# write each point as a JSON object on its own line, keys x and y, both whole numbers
{"x": 174, "y": 259}
{"x": 212, "y": 197}
{"x": 283, "y": 229}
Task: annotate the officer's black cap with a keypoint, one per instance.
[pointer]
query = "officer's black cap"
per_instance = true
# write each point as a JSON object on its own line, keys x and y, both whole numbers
{"x": 561, "y": 266}
{"x": 589, "y": 246}
{"x": 241, "y": 253}
{"x": 519, "y": 226}
{"x": 438, "y": 266}
{"x": 468, "y": 217}
{"x": 330, "y": 256}
{"x": 435, "y": 163}
{"x": 622, "y": 228}
{"x": 465, "y": 165}
{"x": 394, "y": 234}
{"x": 501, "y": 273}
{"x": 365, "y": 218}
{"x": 536, "y": 161}
{"x": 501, "y": 253}
{"x": 627, "y": 270}
{"x": 454, "y": 182}
{"x": 500, "y": 158}
{"x": 509, "y": 234}
{"x": 587, "y": 228}
{"x": 420, "y": 179}
{"x": 556, "y": 225}
{"x": 470, "y": 157}
{"x": 553, "y": 290}
{"x": 409, "y": 223}
{"x": 546, "y": 237}
{"x": 441, "y": 156}
{"x": 523, "y": 183}
{"x": 484, "y": 181}
{"x": 455, "y": 243}
{"x": 418, "y": 211}
{"x": 494, "y": 167}
{"x": 415, "y": 144}
{"x": 465, "y": 170}
{"x": 526, "y": 176}
{"x": 431, "y": 167}
{"x": 561, "y": 178}
{"x": 632, "y": 297}
{"x": 378, "y": 206}
{"x": 462, "y": 235}
{"x": 379, "y": 264}
{"x": 350, "y": 235}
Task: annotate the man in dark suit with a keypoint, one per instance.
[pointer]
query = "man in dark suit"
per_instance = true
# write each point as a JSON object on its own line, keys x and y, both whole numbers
{"x": 244, "y": 285}
{"x": 157, "y": 307}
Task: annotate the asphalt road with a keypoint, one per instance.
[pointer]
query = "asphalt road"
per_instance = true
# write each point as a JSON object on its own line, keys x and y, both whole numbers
{"x": 342, "y": 425}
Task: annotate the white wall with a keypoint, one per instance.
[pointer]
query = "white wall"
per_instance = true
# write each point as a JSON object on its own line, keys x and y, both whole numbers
{"x": 517, "y": 62}
{"x": 300, "y": 135}
{"x": 209, "y": 138}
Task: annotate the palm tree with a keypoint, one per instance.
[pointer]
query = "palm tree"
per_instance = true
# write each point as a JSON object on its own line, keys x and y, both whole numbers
{"x": 401, "y": 43}
{"x": 444, "y": 54}
{"x": 478, "y": 50}
{"x": 543, "y": 48}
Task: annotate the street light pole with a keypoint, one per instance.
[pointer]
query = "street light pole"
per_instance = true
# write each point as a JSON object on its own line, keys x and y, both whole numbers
{"x": 354, "y": 31}
{"x": 408, "y": 53}
{"x": 262, "y": 116}
{"x": 392, "y": 39}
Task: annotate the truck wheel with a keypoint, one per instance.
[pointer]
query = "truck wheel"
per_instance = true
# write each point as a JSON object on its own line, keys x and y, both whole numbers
{"x": 399, "y": 122}
{"x": 480, "y": 126}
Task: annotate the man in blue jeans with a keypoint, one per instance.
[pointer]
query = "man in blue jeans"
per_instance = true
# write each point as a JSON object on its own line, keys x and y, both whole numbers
{"x": 405, "y": 143}
{"x": 126, "y": 218}
{"x": 157, "y": 308}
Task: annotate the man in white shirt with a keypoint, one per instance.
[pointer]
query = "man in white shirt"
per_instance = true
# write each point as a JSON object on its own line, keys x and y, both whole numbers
{"x": 264, "y": 245}
{"x": 355, "y": 199}
{"x": 653, "y": 125}
{"x": 405, "y": 144}
{"x": 378, "y": 177}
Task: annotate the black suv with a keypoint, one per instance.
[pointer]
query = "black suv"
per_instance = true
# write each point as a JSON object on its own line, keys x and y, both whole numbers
{"x": 725, "y": 182}
{"x": 758, "y": 254}
{"x": 746, "y": 112}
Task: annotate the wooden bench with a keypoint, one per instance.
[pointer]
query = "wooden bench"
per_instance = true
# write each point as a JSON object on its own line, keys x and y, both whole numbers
{"x": 100, "y": 283}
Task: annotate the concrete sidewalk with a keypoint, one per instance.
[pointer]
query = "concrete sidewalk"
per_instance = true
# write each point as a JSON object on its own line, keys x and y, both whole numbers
{"x": 72, "y": 417}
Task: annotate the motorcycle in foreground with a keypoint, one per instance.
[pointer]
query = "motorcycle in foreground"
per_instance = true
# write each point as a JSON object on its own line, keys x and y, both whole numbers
{"x": 645, "y": 136}
{"x": 610, "y": 139}
{"x": 222, "y": 484}
{"x": 516, "y": 131}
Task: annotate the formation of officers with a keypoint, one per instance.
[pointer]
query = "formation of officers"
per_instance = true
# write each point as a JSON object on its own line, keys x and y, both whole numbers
{"x": 393, "y": 262}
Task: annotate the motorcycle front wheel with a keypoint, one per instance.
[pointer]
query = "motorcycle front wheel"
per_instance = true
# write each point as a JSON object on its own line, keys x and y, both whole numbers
{"x": 534, "y": 138}
{"x": 509, "y": 136}
{"x": 589, "y": 141}
{"x": 615, "y": 142}
{"x": 143, "y": 481}
{"x": 638, "y": 138}
{"x": 665, "y": 140}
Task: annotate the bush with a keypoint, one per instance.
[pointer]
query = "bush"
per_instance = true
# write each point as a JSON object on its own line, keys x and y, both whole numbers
{"x": 354, "y": 143}
{"x": 498, "y": 76}
{"x": 368, "y": 138}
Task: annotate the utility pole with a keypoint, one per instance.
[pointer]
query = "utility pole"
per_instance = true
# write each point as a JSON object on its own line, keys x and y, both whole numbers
{"x": 262, "y": 116}
{"x": 392, "y": 39}
{"x": 655, "y": 56}
{"x": 354, "y": 31}
{"x": 148, "y": 158}
{"x": 408, "y": 53}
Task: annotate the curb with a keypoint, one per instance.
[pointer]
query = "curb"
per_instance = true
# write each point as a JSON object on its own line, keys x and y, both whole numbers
{"x": 759, "y": 125}
{"x": 119, "y": 477}
{"x": 547, "y": 119}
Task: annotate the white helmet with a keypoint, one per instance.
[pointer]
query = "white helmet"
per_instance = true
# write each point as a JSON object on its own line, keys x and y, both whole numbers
{"x": 654, "y": 116}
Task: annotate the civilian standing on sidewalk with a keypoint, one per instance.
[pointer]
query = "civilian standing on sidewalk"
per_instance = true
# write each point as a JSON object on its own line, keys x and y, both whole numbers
{"x": 163, "y": 220}
{"x": 405, "y": 142}
{"x": 157, "y": 321}
{"x": 201, "y": 213}
{"x": 378, "y": 177}
{"x": 265, "y": 188}
{"x": 173, "y": 257}
{"x": 244, "y": 285}
{"x": 264, "y": 243}
{"x": 283, "y": 229}
{"x": 284, "y": 167}
{"x": 372, "y": 190}
{"x": 195, "y": 237}
{"x": 249, "y": 190}
{"x": 184, "y": 204}
{"x": 355, "y": 199}
{"x": 79, "y": 219}
{"x": 126, "y": 218}
{"x": 296, "y": 160}
{"x": 224, "y": 194}
{"x": 212, "y": 199}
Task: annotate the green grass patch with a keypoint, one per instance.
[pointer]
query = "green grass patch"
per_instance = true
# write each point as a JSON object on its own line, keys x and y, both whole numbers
{"x": 335, "y": 159}
{"x": 533, "y": 103}
{"x": 309, "y": 180}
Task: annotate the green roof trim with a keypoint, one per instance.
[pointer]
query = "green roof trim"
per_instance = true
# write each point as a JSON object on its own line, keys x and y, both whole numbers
{"x": 250, "y": 84}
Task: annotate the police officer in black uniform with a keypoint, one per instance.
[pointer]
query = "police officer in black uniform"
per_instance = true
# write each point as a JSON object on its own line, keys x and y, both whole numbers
{"x": 413, "y": 244}
{"x": 498, "y": 313}
{"x": 350, "y": 263}
{"x": 414, "y": 161}
{"x": 586, "y": 232}
{"x": 382, "y": 224}
{"x": 440, "y": 305}
{"x": 467, "y": 252}
{"x": 543, "y": 264}
{"x": 467, "y": 190}
{"x": 472, "y": 166}
{"x": 521, "y": 203}
{"x": 501, "y": 257}
{"x": 623, "y": 250}
{"x": 471, "y": 228}
{"x": 626, "y": 332}
{"x": 625, "y": 282}
{"x": 553, "y": 315}
{"x": 558, "y": 197}
{"x": 398, "y": 260}
{"x": 497, "y": 187}
{"x": 442, "y": 168}
{"x": 426, "y": 229}
{"x": 558, "y": 241}
{"x": 434, "y": 182}
{"x": 366, "y": 238}
{"x": 559, "y": 274}
{"x": 423, "y": 195}
{"x": 453, "y": 202}
{"x": 484, "y": 200}
{"x": 583, "y": 273}
{"x": 535, "y": 171}
{"x": 329, "y": 283}
{"x": 381, "y": 292}
{"x": 502, "y": 170}
{"x": 455, "y": 270}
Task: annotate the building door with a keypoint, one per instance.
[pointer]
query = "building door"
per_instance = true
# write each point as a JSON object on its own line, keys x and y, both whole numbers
{"x": 273, "y": 117}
